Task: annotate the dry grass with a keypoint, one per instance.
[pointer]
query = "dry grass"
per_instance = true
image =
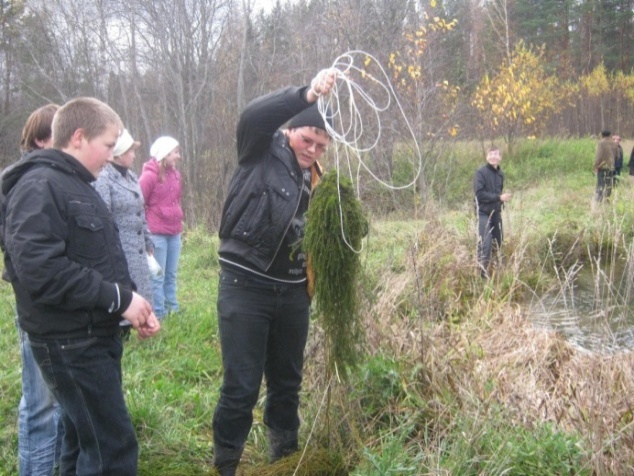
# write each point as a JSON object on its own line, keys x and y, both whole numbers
{"x": 542, "y": 378}
{"x": 497, "y": 356}
{"x": 461, "y": 346}
{"x": 471, "y": 349}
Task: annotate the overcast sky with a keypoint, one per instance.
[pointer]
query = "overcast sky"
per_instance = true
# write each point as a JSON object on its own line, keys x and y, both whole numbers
{"x": 264, "y": 4}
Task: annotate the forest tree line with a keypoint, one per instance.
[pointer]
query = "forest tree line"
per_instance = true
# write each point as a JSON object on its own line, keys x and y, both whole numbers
{"x": 463, "y": 69}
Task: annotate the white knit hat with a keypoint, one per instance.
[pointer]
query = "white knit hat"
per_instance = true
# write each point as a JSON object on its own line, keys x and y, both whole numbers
{"x": 162, "y": 147}
{"x": 124, "y": 144}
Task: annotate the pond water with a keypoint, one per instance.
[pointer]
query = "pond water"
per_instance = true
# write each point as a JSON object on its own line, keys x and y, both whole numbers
{"x": 593, "y": 307}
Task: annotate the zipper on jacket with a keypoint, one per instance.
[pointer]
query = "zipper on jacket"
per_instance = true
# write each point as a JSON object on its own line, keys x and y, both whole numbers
{"x": 279, "y": 245}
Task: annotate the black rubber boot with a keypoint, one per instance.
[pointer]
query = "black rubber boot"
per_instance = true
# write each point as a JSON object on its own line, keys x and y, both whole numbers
{"x": 227, "y": 468}
{"x": 282, "y": 443}
{"x": 226, "y": 460}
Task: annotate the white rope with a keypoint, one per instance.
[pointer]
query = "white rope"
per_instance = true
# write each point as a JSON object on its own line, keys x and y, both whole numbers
{"x": 349, "y": 127}
{"x": 312, "y": 429}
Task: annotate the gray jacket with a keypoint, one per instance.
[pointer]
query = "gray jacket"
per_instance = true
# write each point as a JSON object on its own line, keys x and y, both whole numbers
{"x": 125, "y": 201}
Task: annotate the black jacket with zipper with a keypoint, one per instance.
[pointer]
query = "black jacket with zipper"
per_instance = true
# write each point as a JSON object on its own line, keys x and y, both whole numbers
{"x": 487, "y": 186}
{"x": 265, "y": 190}
{"x": 62, "y": 252}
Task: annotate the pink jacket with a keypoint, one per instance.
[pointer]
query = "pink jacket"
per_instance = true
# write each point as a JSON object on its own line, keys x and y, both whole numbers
{"x": 163, "y": 210}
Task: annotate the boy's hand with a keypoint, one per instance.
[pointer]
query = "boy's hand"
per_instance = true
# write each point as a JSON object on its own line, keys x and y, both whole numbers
{"x": 150, "y": 328}
{"x": 321, "y": 84}
{"x": 138, "y": 311}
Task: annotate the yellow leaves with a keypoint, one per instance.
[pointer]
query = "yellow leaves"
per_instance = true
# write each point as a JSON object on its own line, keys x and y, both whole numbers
{"x": 407, "y": 65}
{"x": 414, "y": 72}
{"x": 519, "y": 95}
{"x": 599, "y": 83}
{"x": 628, "y": 88}
{"x": 440, "y": 24}
{"x": 367, "y": 61}
{"x": 596, "y": 83}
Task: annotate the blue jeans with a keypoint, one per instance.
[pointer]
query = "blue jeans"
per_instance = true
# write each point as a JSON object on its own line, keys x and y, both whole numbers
{"x": 84, "y": 375}
{"x": 167, "y": 251}
{"x": 263, "y": 330}
{"x": 40, "y": 428}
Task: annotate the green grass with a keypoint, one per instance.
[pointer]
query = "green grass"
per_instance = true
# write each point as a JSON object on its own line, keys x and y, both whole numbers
{"x": 10, "y": 383}
{"x": 497, "y": 447}
{"x": 452, "y": 379}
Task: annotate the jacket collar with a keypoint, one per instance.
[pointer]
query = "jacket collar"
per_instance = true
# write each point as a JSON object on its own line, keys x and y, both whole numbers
{"x": 281, "y": 149}
{"x": 44, "y": 158}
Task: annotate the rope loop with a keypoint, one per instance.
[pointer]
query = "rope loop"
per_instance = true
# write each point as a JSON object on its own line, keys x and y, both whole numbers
{"x": 350, "y": 129}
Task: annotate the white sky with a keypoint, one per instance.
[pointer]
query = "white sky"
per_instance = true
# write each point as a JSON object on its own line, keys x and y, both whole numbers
{"x": 265, "y": 4}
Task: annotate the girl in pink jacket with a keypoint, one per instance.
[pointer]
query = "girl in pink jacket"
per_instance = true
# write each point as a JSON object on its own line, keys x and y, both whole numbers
{"x": 161, "y": 187}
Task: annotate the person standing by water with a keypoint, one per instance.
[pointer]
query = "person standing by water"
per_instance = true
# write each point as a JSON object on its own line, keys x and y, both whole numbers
{"x": 161, "y": 187}
{"x": 604, "y": 158}
{"x": 618, "y": 161}
{"x": 119, "y": 188}
{"x": 40, "y": 428}
{"x": 263, "y": 301}
{"x": 488, "y": 186}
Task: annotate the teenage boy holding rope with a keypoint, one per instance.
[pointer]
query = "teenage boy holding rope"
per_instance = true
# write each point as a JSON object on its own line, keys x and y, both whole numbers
{"x": 263, "y": 301}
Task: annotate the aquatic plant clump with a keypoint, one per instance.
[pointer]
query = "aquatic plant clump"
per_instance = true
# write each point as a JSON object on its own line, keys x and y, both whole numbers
{"x": 334, "y": 230}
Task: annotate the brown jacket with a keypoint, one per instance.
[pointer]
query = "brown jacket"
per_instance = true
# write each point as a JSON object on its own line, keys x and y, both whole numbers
{"x": 606, "y": 154}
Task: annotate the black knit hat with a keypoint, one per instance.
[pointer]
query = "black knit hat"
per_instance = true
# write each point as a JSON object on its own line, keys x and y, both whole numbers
{"x": 310, "y": 117}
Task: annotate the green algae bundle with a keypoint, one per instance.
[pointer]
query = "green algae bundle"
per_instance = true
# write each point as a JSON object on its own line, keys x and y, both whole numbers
{"x": 335, "y": 226}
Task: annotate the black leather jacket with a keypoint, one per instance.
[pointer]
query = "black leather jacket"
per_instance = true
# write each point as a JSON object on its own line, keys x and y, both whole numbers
{"x": 265, "y": 190}
{"x": 487, "y": 186}
{"x": 62, "y": 251}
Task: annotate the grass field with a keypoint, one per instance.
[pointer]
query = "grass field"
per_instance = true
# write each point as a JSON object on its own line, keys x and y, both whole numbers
{"x": 453, "y": 380}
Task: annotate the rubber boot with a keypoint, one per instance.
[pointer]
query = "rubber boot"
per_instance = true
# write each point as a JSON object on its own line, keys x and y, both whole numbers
{"x": 226, "y": 460}
{"x": 282, "y": 443}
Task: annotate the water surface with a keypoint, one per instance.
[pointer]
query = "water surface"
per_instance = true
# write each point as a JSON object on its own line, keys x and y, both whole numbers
{"x": 592, "y": 306}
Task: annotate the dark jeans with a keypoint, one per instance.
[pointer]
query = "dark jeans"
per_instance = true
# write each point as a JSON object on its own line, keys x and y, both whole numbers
{"x": 84, "y": 375}
{"x": 605, "y": 181}
{"x": 489, "y": 230}
{"x": 263, "y": 331}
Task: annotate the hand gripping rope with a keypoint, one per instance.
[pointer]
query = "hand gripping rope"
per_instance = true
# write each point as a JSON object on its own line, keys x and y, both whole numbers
{"x": 344, "y": 105}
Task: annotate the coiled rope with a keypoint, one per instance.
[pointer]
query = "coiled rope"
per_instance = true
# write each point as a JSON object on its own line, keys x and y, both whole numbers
{"x": 350, "y": 128}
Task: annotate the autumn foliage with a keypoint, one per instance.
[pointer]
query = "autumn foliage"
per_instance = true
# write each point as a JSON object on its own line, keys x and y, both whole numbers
{"x": 518, "y": 99}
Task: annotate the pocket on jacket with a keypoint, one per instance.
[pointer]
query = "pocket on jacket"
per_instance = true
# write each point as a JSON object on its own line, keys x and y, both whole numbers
{"x": 254, "y": 220}
{"x": 88, "y": 237}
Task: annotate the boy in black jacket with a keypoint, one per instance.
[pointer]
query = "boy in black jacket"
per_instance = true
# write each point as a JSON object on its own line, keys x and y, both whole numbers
{"x": 64, "y": 260}
{"x": 487, "y": 186}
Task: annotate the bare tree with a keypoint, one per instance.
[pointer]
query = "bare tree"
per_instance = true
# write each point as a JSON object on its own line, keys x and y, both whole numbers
{"x": 498, "y": 12}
